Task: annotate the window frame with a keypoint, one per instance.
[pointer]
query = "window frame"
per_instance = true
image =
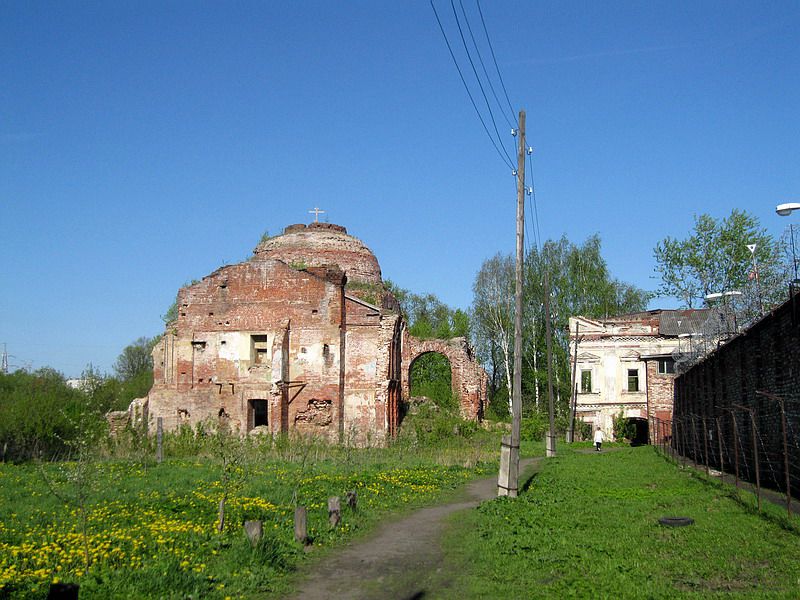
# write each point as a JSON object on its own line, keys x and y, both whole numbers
{"x": 668, "y": 363}
{"x": 633, "y": 378}
{"x": 584, "y": 389}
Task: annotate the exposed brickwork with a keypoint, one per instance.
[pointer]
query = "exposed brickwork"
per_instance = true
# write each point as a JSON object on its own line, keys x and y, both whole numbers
{"x": 280, "y": 342}
{"x": 469, "y": 380}
{"x": 320, "y": 244}
{"x": 764, "y": 358}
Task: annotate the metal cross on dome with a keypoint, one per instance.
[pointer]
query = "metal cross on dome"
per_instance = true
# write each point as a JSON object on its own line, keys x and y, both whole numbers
{"x": 316, "y": 212}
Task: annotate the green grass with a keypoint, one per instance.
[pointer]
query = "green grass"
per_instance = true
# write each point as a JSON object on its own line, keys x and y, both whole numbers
{"x": 151, "y": 529}
{"x": 587, "y": 526}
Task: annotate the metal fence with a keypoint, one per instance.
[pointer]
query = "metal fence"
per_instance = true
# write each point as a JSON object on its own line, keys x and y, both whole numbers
{"x": 757, "y": 444}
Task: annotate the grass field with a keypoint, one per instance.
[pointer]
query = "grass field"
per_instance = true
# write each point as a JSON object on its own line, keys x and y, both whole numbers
{"x": 150, "y": 530}
{"x": 587, "y": 527}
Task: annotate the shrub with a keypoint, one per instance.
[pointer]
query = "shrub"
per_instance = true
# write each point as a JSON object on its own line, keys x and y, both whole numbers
{"x": 624, "y": 428}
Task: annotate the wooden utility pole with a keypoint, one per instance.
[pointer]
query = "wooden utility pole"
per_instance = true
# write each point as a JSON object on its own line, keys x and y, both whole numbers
{"x": 550, "y": 449}
{"x": 574, "y": 403}
{"x": 508, "y": 481}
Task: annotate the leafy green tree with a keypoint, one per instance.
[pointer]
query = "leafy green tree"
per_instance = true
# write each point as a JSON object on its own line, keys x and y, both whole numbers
{"x": 579, "y": 284}
{"x": 493, "y": 319}
{"x": 134, "y": 368}
{"x": 428, "y": 317}
{"x": 715, "y": 258}
{"x": 136, "y": 358}
{"x": 41, "y": 416}
{"x": 430, "y": 376}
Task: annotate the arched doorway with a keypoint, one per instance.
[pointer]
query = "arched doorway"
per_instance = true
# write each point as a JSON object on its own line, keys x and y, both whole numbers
{"x": 431, "y": 375}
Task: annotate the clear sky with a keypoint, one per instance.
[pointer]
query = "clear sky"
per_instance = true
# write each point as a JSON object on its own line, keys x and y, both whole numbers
{"x": 144, "y": 143}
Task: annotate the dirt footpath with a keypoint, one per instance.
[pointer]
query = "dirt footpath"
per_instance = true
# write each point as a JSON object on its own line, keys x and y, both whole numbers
{"x": 402, "y": 559}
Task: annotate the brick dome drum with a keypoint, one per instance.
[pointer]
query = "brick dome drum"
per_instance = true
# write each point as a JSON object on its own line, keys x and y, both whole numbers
{"x": 319, "y": 244}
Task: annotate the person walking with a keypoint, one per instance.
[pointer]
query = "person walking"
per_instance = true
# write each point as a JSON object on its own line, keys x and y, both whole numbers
{"x": 598, "y": 439}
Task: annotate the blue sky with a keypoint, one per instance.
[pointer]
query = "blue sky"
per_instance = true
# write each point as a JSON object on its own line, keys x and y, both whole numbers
{"x": 143, "y": 144}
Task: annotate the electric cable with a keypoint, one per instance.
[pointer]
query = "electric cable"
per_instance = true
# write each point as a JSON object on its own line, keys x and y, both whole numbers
{"x": 506, "y": 160}
{"x": 478, "y": 79}
{"x": 483, "y": 66}
{"x": 494, "y": 58}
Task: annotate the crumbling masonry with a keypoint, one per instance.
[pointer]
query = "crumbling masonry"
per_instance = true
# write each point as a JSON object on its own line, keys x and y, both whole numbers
{"x": 304, "y": 337}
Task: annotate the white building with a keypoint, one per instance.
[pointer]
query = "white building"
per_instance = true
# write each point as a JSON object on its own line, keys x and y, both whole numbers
{"x": 627, "y": 364}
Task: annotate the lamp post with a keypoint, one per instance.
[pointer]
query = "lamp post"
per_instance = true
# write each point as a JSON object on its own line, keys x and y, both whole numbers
{"x": 724, "y": 297}
{"x": 785, "y": 210}
{"x": 752, "y": 248}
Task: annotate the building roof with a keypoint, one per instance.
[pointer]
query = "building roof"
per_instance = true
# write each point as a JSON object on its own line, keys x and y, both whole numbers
{"x": 322, "y": 244}
{"x": 677, "y": 322}
{"x": 661, "y": 322}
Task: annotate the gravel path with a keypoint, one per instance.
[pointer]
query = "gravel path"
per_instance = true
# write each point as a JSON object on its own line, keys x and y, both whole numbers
{"x": 402, "y": 559}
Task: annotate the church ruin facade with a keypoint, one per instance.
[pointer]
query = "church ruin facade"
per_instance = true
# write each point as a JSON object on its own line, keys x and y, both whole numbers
{"x": 302, "y": 337}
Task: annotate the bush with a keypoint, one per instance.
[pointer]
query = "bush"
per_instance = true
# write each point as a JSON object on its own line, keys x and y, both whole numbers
{"x": 534, "y": 427}
{"x": 624, "y": 428}
{"x": 432, "y": 425}
{"x": 39, "y": 414}
{"x": 583, "y": 430}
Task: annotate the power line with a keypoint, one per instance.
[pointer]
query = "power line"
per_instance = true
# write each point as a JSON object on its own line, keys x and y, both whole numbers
{"x": 477, "y": 78}
{"x": 483, "y": 67}
{"x": 494, "y": 58}
{"x": 534, "y": 202}
{"x": 507, "y": 161}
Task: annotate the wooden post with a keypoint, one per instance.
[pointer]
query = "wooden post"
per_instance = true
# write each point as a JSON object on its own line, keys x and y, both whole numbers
{"x": 754, "y": 432}
{"x": 754, "y": 435}
{"x": 516, "y": 396}
{"x": 694, "y": 442}
{"x": 301, "y": 524}
{"x": 254, "y": 531}
{"x": 551, "y": 436}
{"x": 782, "y": 406}
{"x": 705, "y": 447}
{"x": 351, "y": 498}
{"x": 334, "y": 511}
{"x": 719, "y": 443}
{"x": 159, "y": 439}
{"x": 735, "y": 449}
{"x": 786, "y": 462}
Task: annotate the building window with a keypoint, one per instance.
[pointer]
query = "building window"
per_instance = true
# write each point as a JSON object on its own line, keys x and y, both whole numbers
{"x": 586, "y": 382}
{"x": 633, "y": 380}
{"x": 258, "y": 413}
{"x": 666, "y": 366}
{"x": 259, "y": 346}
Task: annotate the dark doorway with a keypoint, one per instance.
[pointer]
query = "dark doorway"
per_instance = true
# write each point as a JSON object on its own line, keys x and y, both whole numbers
{"x": 259, "y": 413}
{"x": 640, "y": 434}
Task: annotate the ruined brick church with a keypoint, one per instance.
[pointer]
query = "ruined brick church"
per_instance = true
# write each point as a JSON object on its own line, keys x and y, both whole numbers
{"x": 302, "y": 337}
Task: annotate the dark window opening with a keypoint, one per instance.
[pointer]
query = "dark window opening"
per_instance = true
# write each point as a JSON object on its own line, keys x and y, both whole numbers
{"x": 586, "y": 382}
{"x": 260, "y": 349}
{"x": 666, "y": 366}
{"x": 259, "y": 415}
{"x": 633, "y": 380}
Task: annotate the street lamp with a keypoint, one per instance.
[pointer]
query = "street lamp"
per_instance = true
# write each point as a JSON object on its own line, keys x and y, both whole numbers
{"x": 724, "y": 297}
{"x": 786, "y": 208}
